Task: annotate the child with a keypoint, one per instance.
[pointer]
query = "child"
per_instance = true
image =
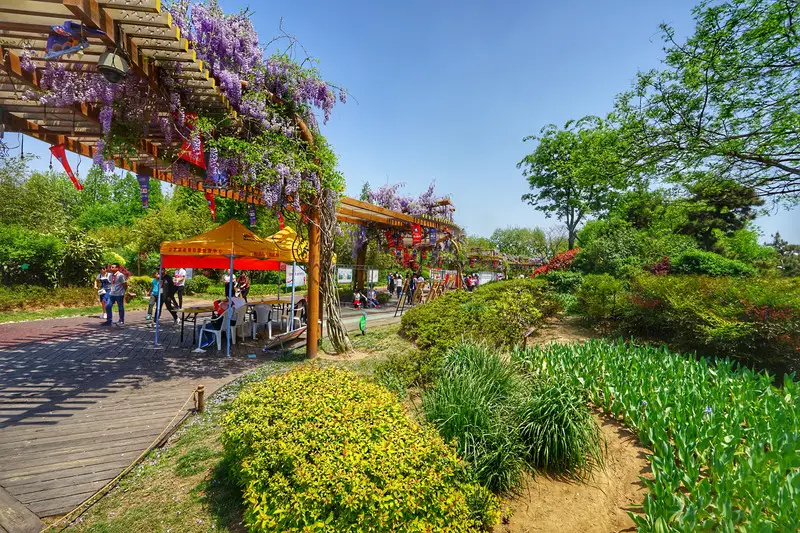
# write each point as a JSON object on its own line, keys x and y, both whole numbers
{"x": 356, "y": 300}
{"x": 372, "y": 298}
{"x": 154, "y": 290}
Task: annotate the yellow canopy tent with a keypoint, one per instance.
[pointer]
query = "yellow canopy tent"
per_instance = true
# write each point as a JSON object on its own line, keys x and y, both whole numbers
{"x": 215, "y": 248}
{"x": 233, "y": 246}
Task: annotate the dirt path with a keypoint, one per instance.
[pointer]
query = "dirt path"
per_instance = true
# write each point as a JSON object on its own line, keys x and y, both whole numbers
{"x": 601, "y": 505}
{"x": 548, "y": 504}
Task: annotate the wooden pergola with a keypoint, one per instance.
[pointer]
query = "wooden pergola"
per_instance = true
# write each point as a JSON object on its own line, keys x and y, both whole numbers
{"x": 156, "y": 49}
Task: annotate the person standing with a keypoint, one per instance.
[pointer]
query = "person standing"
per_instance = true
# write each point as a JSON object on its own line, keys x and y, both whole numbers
{"x": 244, "y": 285}
{"x": 102, "y": 284}
{"x": 390, "y": 283}
{"x": 398, "y": 284}
{"x": 168, "y": 296}
{"x": 119, "y": 286}
{"x": 227, "y": 279}
{"x": 154, "y": 290}
{"x": 179, "y": 278}
{"x": 412, "y": 286}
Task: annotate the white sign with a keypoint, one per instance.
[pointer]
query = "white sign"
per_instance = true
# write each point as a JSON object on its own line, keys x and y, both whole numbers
{"x": 299, "y": 274}
{"x": 372, "y": 276}
{"x": 436, "y": 274}
{"x": 485, "y": 277}
{"x": 189, "y": 272}
{"x": 344, "y": 275}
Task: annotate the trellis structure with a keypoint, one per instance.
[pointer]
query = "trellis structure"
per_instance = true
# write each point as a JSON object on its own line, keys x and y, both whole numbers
{"x": 152, "y": 42}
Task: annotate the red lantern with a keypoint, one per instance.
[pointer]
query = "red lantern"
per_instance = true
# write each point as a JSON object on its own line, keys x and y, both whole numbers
{"x": 212, "y": 205}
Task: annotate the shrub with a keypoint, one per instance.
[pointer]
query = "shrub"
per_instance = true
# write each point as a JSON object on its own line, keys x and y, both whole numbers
{"x": 37, "y": 297}
{"x": 560, "y": 261}
{"x": 140, "y": 285}
{"x": 197, "y": 284}
{"x": 557, "y": 428}
{"x": 757, "y": 321}
{"x": 30, "y": 257}
{"x": 709, "y": 263}
{"x": 324, "y": 450}
{"x": 469, "y": 404}
{"x": 564, "y": 281}
{"x": 384, "y": 298}
{"x": 497, "y": 313}
{"x": 600, "y": 297}
{"x": 723, "y": 439}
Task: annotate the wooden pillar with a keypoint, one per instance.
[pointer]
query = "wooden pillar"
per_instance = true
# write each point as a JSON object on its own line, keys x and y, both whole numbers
{"x": 314, "y": 315}
{"x": 361, "y": 262}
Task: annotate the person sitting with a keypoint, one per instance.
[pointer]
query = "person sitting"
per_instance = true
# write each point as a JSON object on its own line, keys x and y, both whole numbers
{"x": 372, "y": 298}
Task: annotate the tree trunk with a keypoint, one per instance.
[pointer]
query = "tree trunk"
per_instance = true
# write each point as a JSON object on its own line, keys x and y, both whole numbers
{"x": 337, "y": 332}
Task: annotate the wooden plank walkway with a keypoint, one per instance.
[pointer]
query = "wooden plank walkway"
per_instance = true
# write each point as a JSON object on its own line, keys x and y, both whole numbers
{"x": 79, "y": 402}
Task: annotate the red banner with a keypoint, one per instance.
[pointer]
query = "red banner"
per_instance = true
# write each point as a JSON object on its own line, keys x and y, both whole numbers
{"x": 186, "y": 153}
{"x": 406, "y": 256}
{"x": 212, "y": 205}
{"x": 416, "y": 233}
{"x": 59, "y": 151}
{"x": 280, "y": 220}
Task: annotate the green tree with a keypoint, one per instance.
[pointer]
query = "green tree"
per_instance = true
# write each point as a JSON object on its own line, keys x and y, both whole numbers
{"x": 479, "y": 243}
{"x": 718, "y": 208}
{"x": 728, "y": 99}
{"x": 365, "y": 192}
{"x": 519, "y": 241}
{"x": 575, "y": 171}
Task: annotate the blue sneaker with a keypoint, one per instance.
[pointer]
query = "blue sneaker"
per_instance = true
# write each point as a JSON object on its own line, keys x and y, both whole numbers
{"x": 105, "y": 323}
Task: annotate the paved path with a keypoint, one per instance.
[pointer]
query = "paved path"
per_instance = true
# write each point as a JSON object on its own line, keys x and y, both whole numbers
{"x": 79, "y": 402}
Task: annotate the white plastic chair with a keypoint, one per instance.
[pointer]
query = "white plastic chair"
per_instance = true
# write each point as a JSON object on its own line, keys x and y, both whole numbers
{"x": 217, "y": 332}
{"x": 263, "y": 313}
{"x": 240, "y": 329}
{"x": 296, "y": 318}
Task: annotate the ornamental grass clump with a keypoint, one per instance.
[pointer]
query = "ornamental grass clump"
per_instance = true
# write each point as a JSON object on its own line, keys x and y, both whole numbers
{"x": 324, "y": 450}
{"x": 558, "y": 429}
{"x": 504, "y": 424}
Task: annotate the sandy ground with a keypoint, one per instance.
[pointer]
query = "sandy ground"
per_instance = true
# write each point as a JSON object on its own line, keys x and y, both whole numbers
{"x": 600, "y": 505}
{"x": 546, "y": 504}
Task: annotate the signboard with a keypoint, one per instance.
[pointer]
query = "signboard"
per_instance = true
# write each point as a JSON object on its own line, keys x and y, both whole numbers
{"x": 189, "y": 272}
{"x": 436, "y": 274}
{"x": 485, "y": 277}
{"x": 344, "y": 275}
{"x": 299, "y": 274}
{"x": 372, "y": 276}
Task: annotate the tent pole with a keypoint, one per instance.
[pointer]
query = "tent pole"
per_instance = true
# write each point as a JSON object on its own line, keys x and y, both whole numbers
{"x": 229, "y": 310}
{"x": 158, "y": 303}
{"x": 291, "y": 313}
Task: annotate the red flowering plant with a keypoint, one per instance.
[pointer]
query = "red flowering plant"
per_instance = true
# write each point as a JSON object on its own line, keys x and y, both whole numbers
{"x": 559, "y": 261}
{"x": 661, "y": 268}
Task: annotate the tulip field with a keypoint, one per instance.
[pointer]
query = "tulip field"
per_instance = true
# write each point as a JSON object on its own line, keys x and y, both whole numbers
{"x": 725, "y": 441}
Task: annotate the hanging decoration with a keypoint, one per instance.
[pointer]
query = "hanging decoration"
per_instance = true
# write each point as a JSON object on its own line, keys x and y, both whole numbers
{"x": 398, "y": 241}
{"x": 144, "y": 188}
{"x": 432, "y": 235}
{"x": 280, "y": 220}
{"x": 391, "y": 242}
{"x": 212, "y": 204}
{"x": 68, "y": 38}
{"x": 59, "y": 151}
{"x": 416, "y": 234}
{"x": 252, "y": 213}
{"x": 193, "y": 151}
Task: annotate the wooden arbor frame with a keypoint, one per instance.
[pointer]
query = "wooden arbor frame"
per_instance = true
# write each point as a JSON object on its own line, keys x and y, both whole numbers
{"x": 154, "y": 46}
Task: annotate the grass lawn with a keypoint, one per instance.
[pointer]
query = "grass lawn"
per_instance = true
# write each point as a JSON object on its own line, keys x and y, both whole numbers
{"x": 184, "y": 486}
{"x": 64, "y": 312}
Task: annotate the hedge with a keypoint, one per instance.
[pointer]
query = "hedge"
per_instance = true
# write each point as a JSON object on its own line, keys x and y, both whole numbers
{"x": 324, "y": 450}
{"x": 496, "y": 313}
{"x": 756, "y": 321}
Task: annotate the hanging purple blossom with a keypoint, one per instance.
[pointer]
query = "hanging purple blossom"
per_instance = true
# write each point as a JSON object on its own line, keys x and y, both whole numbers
{"x": 106, "y": 114}
{"x": 97, "y": 156}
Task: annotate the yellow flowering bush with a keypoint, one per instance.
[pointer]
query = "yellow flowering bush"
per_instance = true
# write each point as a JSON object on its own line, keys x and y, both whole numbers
{"x": 325, "y": 450}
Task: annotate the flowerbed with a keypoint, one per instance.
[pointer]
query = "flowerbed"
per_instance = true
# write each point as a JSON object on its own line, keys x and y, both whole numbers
{"x": 324, "y": 450}
{"x": 725, "y": 441}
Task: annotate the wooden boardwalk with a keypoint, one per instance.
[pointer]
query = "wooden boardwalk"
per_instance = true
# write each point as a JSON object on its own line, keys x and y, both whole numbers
{"x": 79, "y": 402}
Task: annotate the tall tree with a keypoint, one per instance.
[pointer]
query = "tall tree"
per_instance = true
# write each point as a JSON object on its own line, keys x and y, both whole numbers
{"x": 728, "y": 99}
{"x": 524, "y": 242}
{"x": 575, "y": 171}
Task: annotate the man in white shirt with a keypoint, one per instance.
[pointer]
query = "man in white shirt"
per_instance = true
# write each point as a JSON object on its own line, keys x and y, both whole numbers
{"x": 179, "y": 278}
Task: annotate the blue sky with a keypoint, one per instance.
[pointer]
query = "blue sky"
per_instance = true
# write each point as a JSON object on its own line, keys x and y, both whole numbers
{"x": 446, "y": 90}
